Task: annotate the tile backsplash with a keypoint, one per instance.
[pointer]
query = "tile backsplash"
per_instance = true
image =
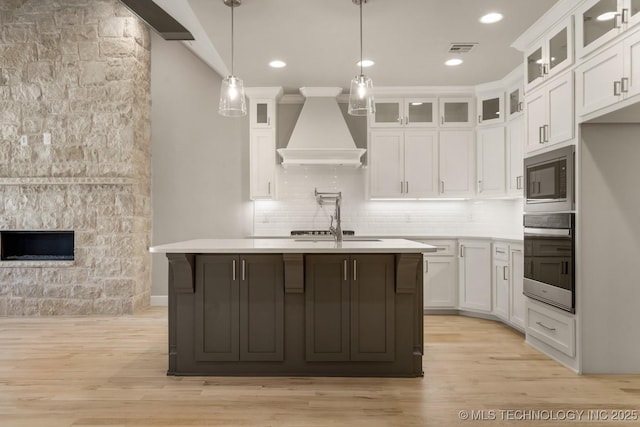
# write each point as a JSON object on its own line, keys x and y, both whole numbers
{"x": 296, "y": 209}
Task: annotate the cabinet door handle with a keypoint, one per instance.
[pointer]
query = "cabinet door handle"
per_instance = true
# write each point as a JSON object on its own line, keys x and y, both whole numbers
{"x": 355, "y": 270}
{"x": 624, "y": 84}
{"x": 344, "y": 265}
{"x": 243, "y": 270}
{"x": 617, "y": 86}
{"x": 426, "y": 265}
{"x": 504, "y": 272}
{"x": 540, "y": 136}
{"x": 401, "y": 187}
{"x": 461, "y": 251}
{"x": 233, "y": 270}
{"x": 545, "y": 131}
{"x": 442, "y": 120}
{"x": 268, "y": 121}
{"x": 548, "y": 328}
{"x": 269, "y": 188}
{"x": 545, "y": 69}
{"x": 442, "y": 187}
{"x": 479, "y": 186}
{"x": 406, "y": 185}
{"x": 625, "y": 16}
{"x": 406, "y": 120}
{"x": 616, "y": 19}
{"x": 520, "y": 106}
{"x": 400, "y": 120}
{"x": 479, "y": 118}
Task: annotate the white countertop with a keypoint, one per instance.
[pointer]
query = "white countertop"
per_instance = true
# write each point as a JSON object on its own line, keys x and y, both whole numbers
{"x": 303, "y": 245}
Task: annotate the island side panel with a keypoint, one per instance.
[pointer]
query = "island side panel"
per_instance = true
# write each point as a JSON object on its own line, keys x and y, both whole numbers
{"x": 180, "y": 281}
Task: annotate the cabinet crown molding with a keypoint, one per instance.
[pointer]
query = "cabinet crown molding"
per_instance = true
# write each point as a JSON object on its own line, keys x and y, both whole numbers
{"x": 561, "y": 10}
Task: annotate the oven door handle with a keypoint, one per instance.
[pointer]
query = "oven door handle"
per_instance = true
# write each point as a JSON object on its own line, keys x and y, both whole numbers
{"x": 547, "y": 232}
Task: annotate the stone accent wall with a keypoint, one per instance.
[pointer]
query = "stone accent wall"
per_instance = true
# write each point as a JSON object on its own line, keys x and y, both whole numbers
{"x": 79, "y": 70}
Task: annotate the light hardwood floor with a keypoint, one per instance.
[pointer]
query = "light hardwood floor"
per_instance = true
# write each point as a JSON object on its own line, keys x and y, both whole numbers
{"x": 110, "y": 371}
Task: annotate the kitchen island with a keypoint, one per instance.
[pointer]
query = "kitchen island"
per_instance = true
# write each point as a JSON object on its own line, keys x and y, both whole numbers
{"x": 295, "y": 307}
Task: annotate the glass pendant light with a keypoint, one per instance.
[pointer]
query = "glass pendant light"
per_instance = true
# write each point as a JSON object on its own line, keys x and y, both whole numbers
{"x": 232, "y": 100}
{"x": 361, "y": 100}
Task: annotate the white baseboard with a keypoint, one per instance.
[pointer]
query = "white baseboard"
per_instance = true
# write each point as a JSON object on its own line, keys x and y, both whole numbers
{"x": 159, "y": 300}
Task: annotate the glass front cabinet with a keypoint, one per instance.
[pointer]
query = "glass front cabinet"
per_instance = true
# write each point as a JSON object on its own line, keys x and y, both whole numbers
{"x": 404, "y": 112}
{"x": 490, "y": 108}
{"x": 553, "y": 54}
{"x": 456, "y": 112}
{"x": 599, "y": 21}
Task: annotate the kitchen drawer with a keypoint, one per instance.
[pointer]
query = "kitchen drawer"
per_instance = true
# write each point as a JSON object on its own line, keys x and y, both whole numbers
{"x": 551, "y": 326}
{"x": 444, "y": 247}
{"x": 500, "y": 251}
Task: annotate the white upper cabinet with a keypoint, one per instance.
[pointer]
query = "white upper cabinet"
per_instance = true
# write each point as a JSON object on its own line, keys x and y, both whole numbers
{"x": 552, "y": 55}
{"x": 515, "y": 101}
{"x": 262, "y": 114}
{"x": 600, "y": 21}
{"x": 456, "y": 112}
{"x": 457, "y": 162}
{"x": 550, "y": 113}
{"x": 515, "y": 145}
{"x": 609, "y": 77}
{"x": 403, "y": 164}
{"x": 491, "y": 108}
{"x": 405, "y": 112}
{"x": 491, "y": 161}
{"x": 262, "y": 160}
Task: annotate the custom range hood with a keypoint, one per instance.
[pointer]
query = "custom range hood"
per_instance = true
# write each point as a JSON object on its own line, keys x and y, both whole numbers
{"x": 321, "y": 136}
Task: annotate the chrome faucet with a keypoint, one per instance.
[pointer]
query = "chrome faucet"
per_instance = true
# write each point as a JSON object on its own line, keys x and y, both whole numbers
{"x": 321, "y": 198}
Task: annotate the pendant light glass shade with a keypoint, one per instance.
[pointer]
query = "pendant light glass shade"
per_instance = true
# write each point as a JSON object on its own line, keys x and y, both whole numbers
{"x": 361, "y": 100}
{"x": 232, "y": 100}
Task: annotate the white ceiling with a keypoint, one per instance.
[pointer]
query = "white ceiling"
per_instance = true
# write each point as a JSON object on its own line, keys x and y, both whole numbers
{"x": 319, "y": 39}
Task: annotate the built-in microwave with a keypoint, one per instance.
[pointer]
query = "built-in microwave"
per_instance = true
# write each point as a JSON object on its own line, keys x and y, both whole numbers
{"x": 549, "y": 181}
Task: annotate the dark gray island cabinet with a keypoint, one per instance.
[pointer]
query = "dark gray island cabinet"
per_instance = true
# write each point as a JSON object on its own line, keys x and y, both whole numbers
{"x": 343, "y": 310}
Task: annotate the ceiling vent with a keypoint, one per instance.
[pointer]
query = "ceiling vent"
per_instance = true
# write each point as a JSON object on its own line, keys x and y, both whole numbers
{"x": 462, "y": 47}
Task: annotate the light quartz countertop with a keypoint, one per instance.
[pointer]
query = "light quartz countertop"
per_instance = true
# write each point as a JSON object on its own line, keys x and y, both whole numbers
{"x": 292, "y": 245}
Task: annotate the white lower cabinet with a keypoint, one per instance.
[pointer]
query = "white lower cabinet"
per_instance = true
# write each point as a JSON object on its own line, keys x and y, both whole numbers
{"x": 508, "y": 277}
{"x": 474, "y": 263}
{"x": 440, "y": 275}
{"x": 552, "y": 327}
{"x": 501, "y": 286}
{"x": 516, "y": 280}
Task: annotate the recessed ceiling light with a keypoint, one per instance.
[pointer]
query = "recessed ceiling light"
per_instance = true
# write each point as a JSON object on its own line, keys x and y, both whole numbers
{"x": 365, "y": 63}
{"x": 491, "y": 18}
{"x": 607, "y": 16}
{"x": 453, "y": 62}
{"x": 277, "y": 64}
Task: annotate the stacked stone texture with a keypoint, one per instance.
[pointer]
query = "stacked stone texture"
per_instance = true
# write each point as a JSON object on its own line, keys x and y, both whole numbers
{"x": 79, "y": 70}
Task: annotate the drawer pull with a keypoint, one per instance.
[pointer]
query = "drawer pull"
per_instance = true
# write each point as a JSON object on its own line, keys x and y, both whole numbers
{"x": 548, "y": 328}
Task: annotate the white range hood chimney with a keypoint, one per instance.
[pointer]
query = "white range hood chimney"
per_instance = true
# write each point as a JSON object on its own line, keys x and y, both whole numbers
{"x": 321, "y": 136}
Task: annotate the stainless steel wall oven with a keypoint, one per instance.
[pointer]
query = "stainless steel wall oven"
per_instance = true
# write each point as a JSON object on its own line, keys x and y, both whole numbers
{"x": 549, "y": 259}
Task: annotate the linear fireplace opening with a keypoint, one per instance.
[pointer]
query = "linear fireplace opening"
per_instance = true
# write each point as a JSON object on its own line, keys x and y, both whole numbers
{"x": 36, "y": 245}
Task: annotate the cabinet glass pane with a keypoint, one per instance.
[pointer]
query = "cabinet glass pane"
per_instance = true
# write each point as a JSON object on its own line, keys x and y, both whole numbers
{"x": 387, "y": 112}
{"x": 491, "y": 109}
{"x": 420, "y": 112}
{"x": 261, "y": 114}
{"x": 514, "y": 101}
{"x": 599, "y": 20}
{"x": 635, "y": 7}
{"x": 558, "y": 48}
{"x": 534, "y": 65}
{"x": 456, "y": 112}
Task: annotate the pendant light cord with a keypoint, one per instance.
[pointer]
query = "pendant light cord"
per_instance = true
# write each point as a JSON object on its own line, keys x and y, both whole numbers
{"x": 232, "y": 7}
{"x": 361, "y": 37}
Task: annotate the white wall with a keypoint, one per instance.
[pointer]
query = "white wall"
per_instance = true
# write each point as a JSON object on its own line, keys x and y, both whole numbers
{"x": 609, "y": 233}
{"x": 199, "y": 159}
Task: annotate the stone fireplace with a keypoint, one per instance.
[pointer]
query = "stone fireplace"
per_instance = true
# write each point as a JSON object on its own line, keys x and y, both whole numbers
{"x": 75, "y": 154}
